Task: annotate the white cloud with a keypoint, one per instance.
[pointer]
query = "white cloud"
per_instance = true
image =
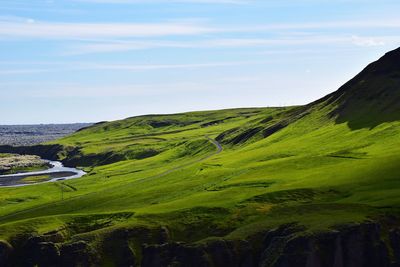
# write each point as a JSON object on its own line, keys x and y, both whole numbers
{"x": 301, "y": 40}
{"x": 129, "y": 67}
{"x": 235, "y": 2}
{"x": 81, "y": 66}
{"x": 368, "y": 41}
{"x": 57, "y": 30}
{"x": 58, "y": 90}
{"x": 120, "y": 46}
{"x": 22, "y": 71}
{"x": 47, "y": 30}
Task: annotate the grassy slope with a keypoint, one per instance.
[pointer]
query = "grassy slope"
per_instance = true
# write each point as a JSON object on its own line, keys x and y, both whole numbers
{"x": 316, "y": 170}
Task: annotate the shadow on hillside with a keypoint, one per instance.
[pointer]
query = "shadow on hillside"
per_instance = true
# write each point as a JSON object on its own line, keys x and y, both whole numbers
{"x": 370, "y": 112}
{"x": 372, "y": 97}
{"x": 368, "y": 118}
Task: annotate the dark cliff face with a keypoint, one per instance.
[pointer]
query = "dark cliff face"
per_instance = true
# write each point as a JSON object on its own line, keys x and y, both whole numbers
{"x": 358, "y": 245}
{"x": 361, "y": 245}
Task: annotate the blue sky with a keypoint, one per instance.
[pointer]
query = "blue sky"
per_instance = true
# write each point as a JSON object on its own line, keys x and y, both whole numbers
{"x": 95, "y": 60}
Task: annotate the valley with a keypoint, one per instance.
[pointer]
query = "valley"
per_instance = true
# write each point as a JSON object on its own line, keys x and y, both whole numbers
{"x": 278, "y": 186}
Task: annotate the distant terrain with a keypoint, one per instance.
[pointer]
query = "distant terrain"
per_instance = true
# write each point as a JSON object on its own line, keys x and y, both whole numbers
{"x": 18, "y": 135}
{"x": 316, "y": 185}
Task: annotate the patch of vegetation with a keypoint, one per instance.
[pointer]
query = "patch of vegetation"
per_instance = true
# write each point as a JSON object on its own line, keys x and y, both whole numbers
{"x": 12, "y": 163}
{"x": 36, "y": 178}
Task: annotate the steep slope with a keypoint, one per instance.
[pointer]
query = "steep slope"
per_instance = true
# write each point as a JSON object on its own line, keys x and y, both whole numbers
{"x": 372, "y": 97}
{"x": 369, "y": 99}
{"x": 315, "y": 185}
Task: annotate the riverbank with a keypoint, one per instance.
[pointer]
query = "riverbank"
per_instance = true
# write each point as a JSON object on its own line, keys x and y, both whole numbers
{"x": 13, "y": 163}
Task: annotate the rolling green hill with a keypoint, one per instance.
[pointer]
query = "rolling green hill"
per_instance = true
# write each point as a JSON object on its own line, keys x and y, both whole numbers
{"x": 186, "y": 189}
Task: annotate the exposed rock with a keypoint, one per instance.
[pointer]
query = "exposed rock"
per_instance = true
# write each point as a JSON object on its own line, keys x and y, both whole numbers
{"x": 394, "y": 239}
{"x": 358, "y": 245}
{"x": 117, "y": 249}
{"x": 5, "y": 251}
{"x": 215, "y": 253}
{"x": 78, "y": 254}
{"x": 274, "y": 243}
{"x": 34, "y": 251}
{"x": 164, "y": 235}
{"x": 173, "y": 254}
{"x": 48, "y": 254}
{"x": 230, "y": 253}
{"x": 354, "y": 246}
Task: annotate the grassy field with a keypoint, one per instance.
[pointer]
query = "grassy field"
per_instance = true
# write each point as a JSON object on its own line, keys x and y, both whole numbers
{"x": 314, "y": 172}
{"x": 306, "y": 165}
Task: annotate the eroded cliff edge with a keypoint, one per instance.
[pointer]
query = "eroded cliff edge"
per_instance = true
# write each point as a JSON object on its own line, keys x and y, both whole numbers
{"x": 359, "y": 245}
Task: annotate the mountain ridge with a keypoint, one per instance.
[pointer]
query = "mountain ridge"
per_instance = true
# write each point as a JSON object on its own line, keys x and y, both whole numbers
{"x": 374, "y": 92}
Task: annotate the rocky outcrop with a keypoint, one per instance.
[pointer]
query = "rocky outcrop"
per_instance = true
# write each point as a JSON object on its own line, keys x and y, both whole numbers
{"x": 5, "y": 251}
{"x": 360, "y": 245}
{"x": 394, "y": 239}
{"x": 78, "y": 254}
{"x": 117, "y": 248}
{"x": 351, "y": 246}
{"x": 38, "y": 251}
{"x": 217, "y": 253}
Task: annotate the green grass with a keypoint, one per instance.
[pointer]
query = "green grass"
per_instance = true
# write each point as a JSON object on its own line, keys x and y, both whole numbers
{"x": 314, "y": 172}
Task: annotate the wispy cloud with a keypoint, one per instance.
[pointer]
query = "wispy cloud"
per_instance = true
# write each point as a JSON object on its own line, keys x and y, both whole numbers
{"x": 22, "y": 71}
{"x": 129, "y": 67}
{"x": 296, "y": 40}
{"x": 47, "y": 30}
{"x": 235, "y": 2}
{"x": 80, "y": 66}
{"x": 373, "y": 41}
{"x": 30, "y": 28}
{"x": 127, "y": 90}
{"x": 343, "y": 24}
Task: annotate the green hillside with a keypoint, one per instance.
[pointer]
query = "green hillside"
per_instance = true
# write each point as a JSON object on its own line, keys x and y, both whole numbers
{"x": 332, "y": 162}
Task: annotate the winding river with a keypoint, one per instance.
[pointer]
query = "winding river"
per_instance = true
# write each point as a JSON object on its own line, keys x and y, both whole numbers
{"x": 56, "y": 173}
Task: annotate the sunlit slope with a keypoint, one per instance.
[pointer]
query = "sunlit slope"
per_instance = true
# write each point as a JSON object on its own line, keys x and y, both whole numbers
{"x": 312, "y": 168}
{"x": 307, "y": 164}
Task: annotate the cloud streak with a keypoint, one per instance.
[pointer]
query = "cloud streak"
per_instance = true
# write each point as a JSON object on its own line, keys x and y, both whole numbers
{"x": 47, "y": 30}
{"x": 308, "y": 40}
{"x": 73, "y": 31}
{"x": 234, "y": 2}
{"x": 81, "y": 66}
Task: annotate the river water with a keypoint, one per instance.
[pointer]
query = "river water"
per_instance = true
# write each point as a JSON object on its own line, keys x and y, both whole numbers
{"x": 57, "y": 173}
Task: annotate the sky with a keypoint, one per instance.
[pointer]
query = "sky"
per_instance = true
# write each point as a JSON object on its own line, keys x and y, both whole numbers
{"x": 95, "y": 60}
